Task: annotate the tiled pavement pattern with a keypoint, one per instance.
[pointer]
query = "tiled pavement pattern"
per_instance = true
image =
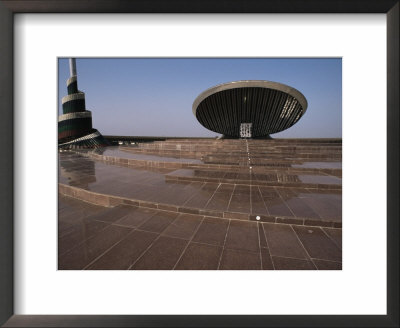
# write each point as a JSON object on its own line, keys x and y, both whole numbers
{"x": 223, "y": 184}
{"x": 306, "y": 198}
{"x": 131, "y": 238}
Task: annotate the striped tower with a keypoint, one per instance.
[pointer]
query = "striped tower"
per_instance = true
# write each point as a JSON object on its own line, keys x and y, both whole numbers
{"x": 75, "y": 125}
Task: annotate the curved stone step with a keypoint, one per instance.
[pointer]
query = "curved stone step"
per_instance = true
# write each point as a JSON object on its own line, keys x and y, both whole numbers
{"x": 268, "y": 178}
{"x": 108, "y": 200}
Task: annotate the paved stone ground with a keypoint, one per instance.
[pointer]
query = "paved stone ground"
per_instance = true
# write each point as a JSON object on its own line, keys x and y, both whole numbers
{"x": 209, "y": 204}
{"x": 131, "y": 238}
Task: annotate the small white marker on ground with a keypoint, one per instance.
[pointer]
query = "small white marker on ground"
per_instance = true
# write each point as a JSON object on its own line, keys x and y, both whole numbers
{"x": 258, "y": 218}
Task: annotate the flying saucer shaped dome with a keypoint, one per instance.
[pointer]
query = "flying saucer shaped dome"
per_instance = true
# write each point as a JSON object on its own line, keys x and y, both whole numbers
{"x": 269, "y": 107}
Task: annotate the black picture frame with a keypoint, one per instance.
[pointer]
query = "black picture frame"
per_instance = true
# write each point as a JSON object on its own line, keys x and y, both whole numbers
{"x": 7, "y": 10}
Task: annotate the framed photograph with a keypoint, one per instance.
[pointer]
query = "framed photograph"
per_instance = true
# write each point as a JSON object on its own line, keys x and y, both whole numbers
{"x": 335, "y": 50}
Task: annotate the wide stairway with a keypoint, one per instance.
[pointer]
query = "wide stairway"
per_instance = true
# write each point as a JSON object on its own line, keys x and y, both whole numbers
{"x": 240, "y": 204}
{"x": 294, "y": 181}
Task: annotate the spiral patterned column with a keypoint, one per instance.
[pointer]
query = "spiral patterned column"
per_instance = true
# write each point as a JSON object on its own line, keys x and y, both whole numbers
{"x": 75, "y": 125}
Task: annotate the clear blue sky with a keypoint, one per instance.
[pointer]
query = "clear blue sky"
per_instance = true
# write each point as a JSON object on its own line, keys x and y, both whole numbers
{"x": 154, "y": 96}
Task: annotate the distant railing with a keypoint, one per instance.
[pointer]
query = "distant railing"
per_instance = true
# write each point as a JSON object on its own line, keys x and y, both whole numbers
{"x": 115, "y": 140}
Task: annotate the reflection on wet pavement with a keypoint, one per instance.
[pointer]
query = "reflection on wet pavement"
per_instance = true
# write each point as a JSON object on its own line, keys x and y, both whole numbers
{"x": 142, "y": 184}
{"x": 319, "y": 165}
{"x": 314, "y": 180}
{"x": 115, "y": 151}
{"x": 179, "y": 204}
{"x": 223, "y": 156}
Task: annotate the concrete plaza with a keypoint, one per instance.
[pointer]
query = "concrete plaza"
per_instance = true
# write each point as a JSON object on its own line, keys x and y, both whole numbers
{"x": 202, "y": 204}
